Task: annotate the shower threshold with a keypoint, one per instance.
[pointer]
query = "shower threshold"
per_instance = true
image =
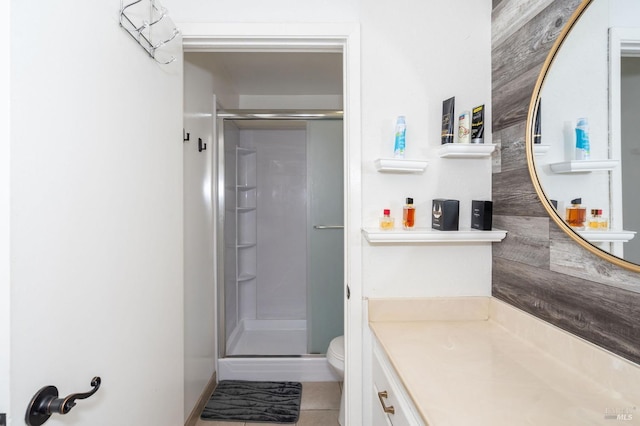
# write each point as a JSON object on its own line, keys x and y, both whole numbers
{"x": 273, "y": 350}
{"x": 313, "y": 368}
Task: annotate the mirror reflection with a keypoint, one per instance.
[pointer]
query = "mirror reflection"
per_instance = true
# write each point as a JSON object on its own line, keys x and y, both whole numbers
{"x": 588, "y": 157}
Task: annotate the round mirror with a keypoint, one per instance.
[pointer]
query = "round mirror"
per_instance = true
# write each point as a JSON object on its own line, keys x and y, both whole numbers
{"x": 582, "y": 147}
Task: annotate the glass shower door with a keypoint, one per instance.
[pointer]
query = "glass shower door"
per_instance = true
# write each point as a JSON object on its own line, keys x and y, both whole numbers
{"x": 325, "y": 301}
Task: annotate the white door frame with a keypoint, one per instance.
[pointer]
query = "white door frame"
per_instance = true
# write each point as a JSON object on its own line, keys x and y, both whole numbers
{"x": 339, "y": 37}
{"x": 5, "y": 202}
{"x": 623, "y": 42}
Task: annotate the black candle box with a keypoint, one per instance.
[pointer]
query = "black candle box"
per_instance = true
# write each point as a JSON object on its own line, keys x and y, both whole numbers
{"x": 481, "y": 215}
{"x": 444, "y": 214}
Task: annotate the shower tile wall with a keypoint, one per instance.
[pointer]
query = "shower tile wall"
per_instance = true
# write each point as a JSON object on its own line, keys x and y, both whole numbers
{"x": 280, "y": 287}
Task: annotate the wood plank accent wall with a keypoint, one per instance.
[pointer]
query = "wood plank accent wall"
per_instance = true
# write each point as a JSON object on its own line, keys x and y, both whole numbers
{"x": 537, "y": 268}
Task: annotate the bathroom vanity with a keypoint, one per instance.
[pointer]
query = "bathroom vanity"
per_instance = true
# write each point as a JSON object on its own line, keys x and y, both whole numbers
{"x": 479, "y": 361}
{"x": 391, "y": 402}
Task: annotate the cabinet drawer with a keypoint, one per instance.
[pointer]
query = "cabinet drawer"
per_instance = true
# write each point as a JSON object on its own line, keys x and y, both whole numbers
{"x": 388, "y": 393}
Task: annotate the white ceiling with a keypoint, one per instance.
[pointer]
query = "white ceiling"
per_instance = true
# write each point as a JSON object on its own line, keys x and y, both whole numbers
{"x": 279, "y": 73}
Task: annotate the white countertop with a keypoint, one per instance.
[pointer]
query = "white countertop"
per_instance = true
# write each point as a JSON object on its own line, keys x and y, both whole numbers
{"x": 474, "y": 371}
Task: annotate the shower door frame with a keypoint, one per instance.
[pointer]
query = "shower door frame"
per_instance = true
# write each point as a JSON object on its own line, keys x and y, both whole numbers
{"x": 221, "y": 208}
{"x": 308, "y": 37}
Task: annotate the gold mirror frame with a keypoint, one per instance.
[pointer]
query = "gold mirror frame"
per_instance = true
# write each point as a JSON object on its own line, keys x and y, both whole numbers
{"x": 553, "y": 213}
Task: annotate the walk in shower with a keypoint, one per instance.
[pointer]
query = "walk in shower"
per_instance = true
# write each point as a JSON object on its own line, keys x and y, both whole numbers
{"x": 280, "y": 244}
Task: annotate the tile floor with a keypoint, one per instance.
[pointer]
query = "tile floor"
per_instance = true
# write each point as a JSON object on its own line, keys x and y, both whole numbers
{"x": 319, "y": 407}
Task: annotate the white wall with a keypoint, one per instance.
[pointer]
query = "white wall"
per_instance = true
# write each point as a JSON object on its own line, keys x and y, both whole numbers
{"x": 96, "y": 217}
{"x": 5, "y": 288}
{"x": 260, "y": 11}
{"x": 199, "y": 281}
{"x": 219, "y": 78}
{"x": 625, "y": 13}
{"x": 281, "y": 165}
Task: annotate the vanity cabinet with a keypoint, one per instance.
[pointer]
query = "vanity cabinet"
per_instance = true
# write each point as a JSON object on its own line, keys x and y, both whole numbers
{"x": 391, "y": 404}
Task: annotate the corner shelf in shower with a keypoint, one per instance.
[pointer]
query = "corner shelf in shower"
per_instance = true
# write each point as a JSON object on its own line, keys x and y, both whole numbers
{"x": 245, "y": 210}
{"x": 430, "y": 236}
{"x": 245, "y": 151}
{"x": 466, "y": 150}
{"x": 244, "y": 246}
{"x": 245, "y": 277}
{"x": 245, "y": 187}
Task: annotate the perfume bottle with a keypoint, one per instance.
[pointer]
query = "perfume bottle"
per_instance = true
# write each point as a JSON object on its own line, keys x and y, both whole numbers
{"x": 603, "y": 222}
{"x": 386, "y": 221}
{"x": 576, "y": 214}
{"x": 408, "y": 214}
{"x": 594, "y": 220}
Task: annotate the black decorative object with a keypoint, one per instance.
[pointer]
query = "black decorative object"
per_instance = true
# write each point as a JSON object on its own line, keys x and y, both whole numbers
{"x": 444, "y": 214}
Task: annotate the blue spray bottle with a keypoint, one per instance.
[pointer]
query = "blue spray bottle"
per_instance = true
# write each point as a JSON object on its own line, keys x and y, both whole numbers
{"x": 400, "y": 137}
{"x": 583, "y": 148}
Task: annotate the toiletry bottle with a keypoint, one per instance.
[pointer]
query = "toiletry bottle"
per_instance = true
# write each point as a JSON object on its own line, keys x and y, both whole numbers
{"x": 386, "y": 221}
{"x": 477, "y": 124}
{"x": 400, "y": 137}
{"x": 408, "y": 215}
{"x": 448, "y": 107}
{"x": 604, "y": 222}
{"x": 464, "y": 127}
{"x": 537, "y": 127}
{"x": 576, "y": 214}
{"x": 583, "y": 148}
{"x": 594, "y": 220}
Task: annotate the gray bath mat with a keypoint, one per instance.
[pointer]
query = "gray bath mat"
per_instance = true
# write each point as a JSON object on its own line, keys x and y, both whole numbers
{"x": 261, "y": 402}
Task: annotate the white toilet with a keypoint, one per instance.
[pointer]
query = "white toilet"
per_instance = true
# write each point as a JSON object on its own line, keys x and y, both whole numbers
{"x": 335, "y": 357}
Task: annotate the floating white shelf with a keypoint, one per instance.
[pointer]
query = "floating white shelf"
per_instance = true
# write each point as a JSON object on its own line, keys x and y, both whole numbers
{"x": 245, "y": 151}
{"x": 607, "y": 236}
{"x": 245, "y": 187}
{"x": 584, "y": 166}
{"x": 539, "y": 150}
{"x": 396, "y": 165}
{"x": 466, "y": 150}
{"x": 429, "y": 236}
{"x": 247, "y": 245}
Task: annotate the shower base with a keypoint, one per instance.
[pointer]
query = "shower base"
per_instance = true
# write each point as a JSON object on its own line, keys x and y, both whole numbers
{"x": 309, "y": 368}
{"x": 272, "y": 350}
{"x": 268, "y": 337}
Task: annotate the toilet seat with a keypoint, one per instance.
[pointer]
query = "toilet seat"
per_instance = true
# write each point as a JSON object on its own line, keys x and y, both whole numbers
{"x": 335, "y": 353}
{"x": 335, "y": 358}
